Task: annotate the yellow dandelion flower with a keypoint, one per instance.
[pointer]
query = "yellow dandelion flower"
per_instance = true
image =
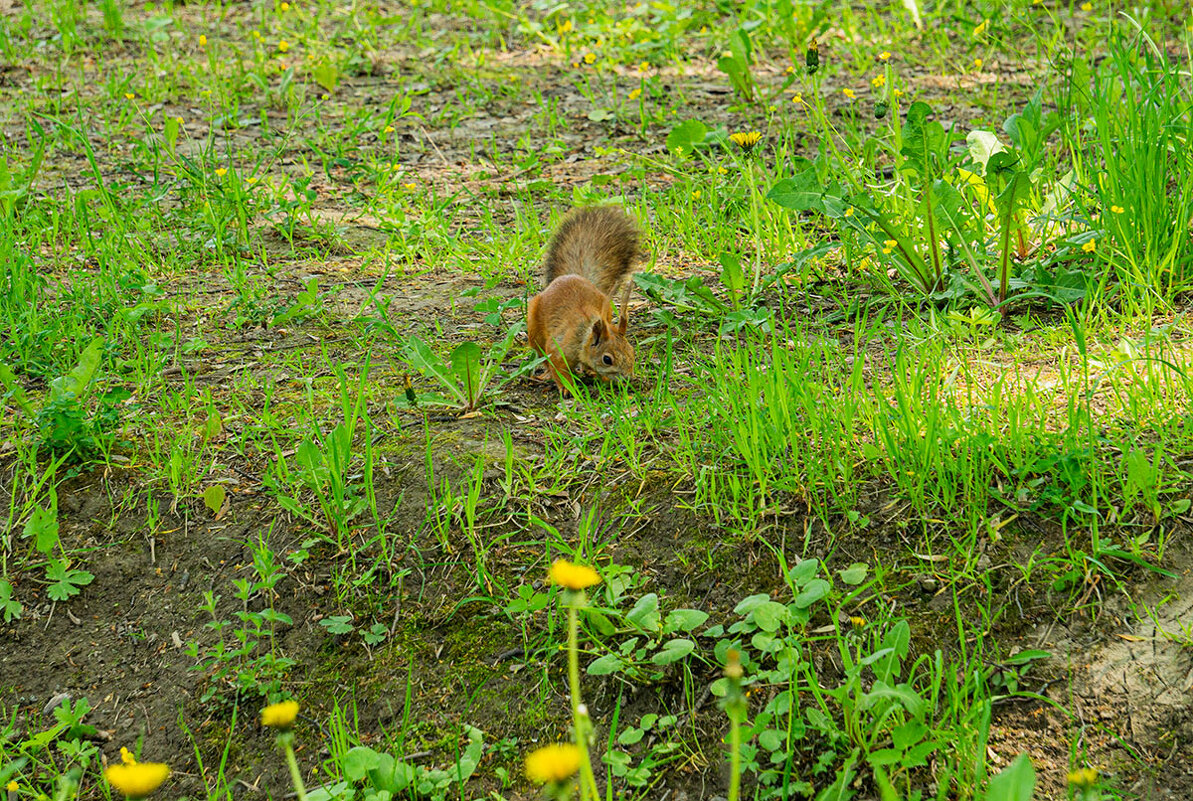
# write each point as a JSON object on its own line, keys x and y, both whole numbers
{"x": 252, "y": 179}
{"x": 1087, "y": 7}
{"x": 284, "y": 6}
{"x": 138, "y": 780}
{"x": 722, "y": 171}
{"x": 878, "y": 81}
{"x": 222, "y": 171}
{"x": 410, "y": 186}
{"x": 977, "y": 63}
{"x": 566, "y": 27}
{"x": 746, "y": 140}
{"x": 126, "y": 756}
{"x": 635, "y": 94}
{"x": 129, "y": 95}
{"x": 578, "y": 577}
{"x": 849, "y": 93}
{"x": 283, "y": 46}
{"x": 1083, "y": 778}
{"x": 202, "y": 40}
{"x": 1117, "y": 209}
{"x": 12, "y": 787}
{"x": 885, "y": 55}
{"x": 643, "y": 66}
{"x": 849, "y": 211}
{"x": 704, "y": 29}
{"x": 857, "y": 622}
{"x": 798, "y": 99}
{"x": 589, "y": 58}
{"x": 790, "y": 69}
{"x": 553, "y": 763}
{"x": 389, "y": 129}
{"x": 279, "y": 716}
{"x": 897, "y": 93}
{"x": 981, "y": 28}
{"x": 1090, "y": 246}
{"x": 695, "y": 196}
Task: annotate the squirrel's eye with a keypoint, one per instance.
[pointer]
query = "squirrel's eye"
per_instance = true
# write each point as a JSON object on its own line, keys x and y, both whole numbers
{"x": 608, "y": 359}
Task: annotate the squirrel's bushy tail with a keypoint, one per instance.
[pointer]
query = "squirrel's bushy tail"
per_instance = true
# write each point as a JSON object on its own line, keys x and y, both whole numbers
{"x": 598, "y": 243}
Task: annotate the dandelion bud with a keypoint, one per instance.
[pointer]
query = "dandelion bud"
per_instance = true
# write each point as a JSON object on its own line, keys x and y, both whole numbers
{"x": 812, "y": 57}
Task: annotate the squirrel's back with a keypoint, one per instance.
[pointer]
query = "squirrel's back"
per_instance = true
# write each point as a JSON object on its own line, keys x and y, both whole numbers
{"x": 598, "y": 243}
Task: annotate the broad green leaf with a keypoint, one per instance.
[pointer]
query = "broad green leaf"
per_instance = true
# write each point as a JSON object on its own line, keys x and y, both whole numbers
{"x": 420, "y": 356}
{"x": 800, "y": 192}
{"x": 770, "y": 616}
{"x": 684, "y": 620}
{"x": 359, "y": 761}
{"x": 645, "y": 614}
{"x": 924, "y": 141}
{"x": 42, "y": 525}
{"x": 214, "y": 497}
{"x": 686, "y": 136}
{"x": 815, "y": 590}
{"x": 982, "y": 145}
{"x": 606, "y": 665}
{"x": 855, "y": 574}
{"x": 73, "y": 383}
{"x": 673, "y": 651}
{"x": 466, "y": 362}
{"x": 9, "y": 606}
{"x": 1016, "y": 782}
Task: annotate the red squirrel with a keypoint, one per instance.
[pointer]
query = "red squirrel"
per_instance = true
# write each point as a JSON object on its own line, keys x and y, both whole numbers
{"x": 571, "y": 320}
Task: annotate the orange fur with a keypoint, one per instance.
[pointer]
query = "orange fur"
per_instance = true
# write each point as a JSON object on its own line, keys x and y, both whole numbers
{"x": 571, "y": 321}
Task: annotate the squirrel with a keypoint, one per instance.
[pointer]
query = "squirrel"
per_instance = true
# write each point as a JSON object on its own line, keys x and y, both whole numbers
{"x": 571, "y": 320}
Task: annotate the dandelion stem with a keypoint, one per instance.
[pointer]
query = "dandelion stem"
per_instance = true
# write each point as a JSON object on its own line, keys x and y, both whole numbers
{"x": 588, "y": 788}
{"x": 300, "y": 789}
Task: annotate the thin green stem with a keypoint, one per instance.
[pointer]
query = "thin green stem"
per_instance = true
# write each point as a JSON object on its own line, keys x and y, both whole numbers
{"x": 588, "y": 788}
{"x": 300, "y": 789}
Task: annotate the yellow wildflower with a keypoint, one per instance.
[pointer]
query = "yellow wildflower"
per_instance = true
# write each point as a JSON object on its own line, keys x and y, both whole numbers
{"x": 849, "y": 211}
{"x": 849, "y": 93}
{"x": 126, "y": 756}
{"x": 573, "y": 576}
{"x": 12, "y": 787}
{"x": 1087, "y": 7}
{"x": 897, "y": 93}
{"x": 553, "y": 763}
{"x": 283, "y": 46}
{"x": 139, "y": 780}
{"x": 878, "y": 81}
{"x": 643, "y": 66}
{"x": 389, "y": 129}
{"x": 284, "y": 6}
{"x": 695, "y": 196}
{"x": 202, "y": 40}
{"x": 280, "y": 716}
{"x": 635, "y": 94}
{"x": 745, "y": 140}
{"x": 410, "y": 186}
{"x": 797, "y": 98}
{"x": 981, "y": 28}
{"x": 704, "y": 29}
{"x": 1084, "y": 778}
{"x": 589, "y": 58}
{"x": 221, "y": 171}
{"x": 129, "y": 95}
{"x": 1090, "y": 246}
{"x": 977, "y": 63}
{"x": 566, "y": 27}
{"x": 1117, "y": 209}
{"x": 857, "y": 622}
{"x": 324, "y": 96}
{"x": 722, "y": 171}
{"x": 884, "y": 55}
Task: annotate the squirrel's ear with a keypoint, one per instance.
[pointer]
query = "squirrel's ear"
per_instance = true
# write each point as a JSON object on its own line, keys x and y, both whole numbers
{"x": 598, "y": 331}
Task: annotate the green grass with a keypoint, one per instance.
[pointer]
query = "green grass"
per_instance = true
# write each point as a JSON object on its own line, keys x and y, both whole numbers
{"x": 912, "y": 395}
